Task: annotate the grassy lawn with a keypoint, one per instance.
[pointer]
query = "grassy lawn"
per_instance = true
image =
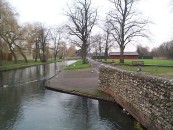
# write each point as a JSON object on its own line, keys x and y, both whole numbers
{"x": 77, "y": 65}
{"x": 146, "y": 61}
{"x": 8, "y": 65}
{"x": 166, "y": 72}
{"x": 158, "y": 69}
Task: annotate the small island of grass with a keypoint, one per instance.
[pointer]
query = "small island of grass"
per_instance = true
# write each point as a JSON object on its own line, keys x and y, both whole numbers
{"x": 78, "y": 65}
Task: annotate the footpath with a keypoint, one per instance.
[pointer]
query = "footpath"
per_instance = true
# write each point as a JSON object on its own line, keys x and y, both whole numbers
{"x": 81, "y": 82}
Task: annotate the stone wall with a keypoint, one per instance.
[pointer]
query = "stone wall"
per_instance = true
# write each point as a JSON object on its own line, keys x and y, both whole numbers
{"x": 149, "y": 99}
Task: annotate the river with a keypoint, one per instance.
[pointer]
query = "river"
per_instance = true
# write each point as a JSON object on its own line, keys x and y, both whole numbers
{"x": 25, "y": 104}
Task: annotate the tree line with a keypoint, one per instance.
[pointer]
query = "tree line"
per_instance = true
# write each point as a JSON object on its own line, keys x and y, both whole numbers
{"x": 164, "y": 51}
{"x": 32, "y": 37}
{"x": 122, "y": 26}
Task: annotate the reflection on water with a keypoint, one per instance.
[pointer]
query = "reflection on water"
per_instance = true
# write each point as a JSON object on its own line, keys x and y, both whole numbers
{"x": 31, "y": 107}
{"x": 31, "y": 74}
{"x": 114, "y": 114}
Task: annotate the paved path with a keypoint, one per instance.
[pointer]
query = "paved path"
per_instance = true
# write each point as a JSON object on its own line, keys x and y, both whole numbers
{"x": 82, "y": 82}
{"x": 96, "y": 65}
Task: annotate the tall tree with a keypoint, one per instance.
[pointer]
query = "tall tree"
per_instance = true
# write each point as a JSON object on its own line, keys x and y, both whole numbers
{"x": 165, "y": 50}
{"x": 107, "y": 39}
{"x": 22, "y": 44}
{"x": 40, "y": 37}
{"x": 56, "y": 36}
{"x": 8, "y": 26}
{"x": 143, "y": 51}
{"x": 1, "y": 53}
{"x": 98, "y": 44}
{"x": 3, "y": 10}
{"x": 35, "y": 39}
{"x": 71, "y": 51}
{"x": 44, "y": 38}
{"x": 125, "y": 24}
{"x": 10, "y": 36}
{"x": 83, "y": 17}
{"x": 62, "y": 50}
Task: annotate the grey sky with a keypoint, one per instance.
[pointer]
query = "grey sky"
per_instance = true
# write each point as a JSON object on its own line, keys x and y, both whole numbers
{"x": 50, "y": 12}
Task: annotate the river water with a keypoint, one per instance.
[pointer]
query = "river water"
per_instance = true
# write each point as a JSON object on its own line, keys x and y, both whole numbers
{"x": 25, "y": 104}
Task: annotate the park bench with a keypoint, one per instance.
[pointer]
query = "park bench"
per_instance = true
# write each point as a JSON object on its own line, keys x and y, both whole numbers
{"x": 137, "y": 63}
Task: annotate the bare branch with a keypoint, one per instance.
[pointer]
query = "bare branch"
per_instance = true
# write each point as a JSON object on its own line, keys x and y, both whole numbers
{"x": 125, "y": 26}
{"x": 82, "y": 17}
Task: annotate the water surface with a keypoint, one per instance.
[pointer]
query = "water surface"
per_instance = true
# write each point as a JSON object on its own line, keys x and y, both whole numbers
{"x": 25, "y": 104}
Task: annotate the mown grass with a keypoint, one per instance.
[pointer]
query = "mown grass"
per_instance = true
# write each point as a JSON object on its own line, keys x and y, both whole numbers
{"x": 78, "y": 65}
{"x": 146, "y": 61}
{"x": 166, "y": 72}
{"x": 161, "y": 68}
{"x": 9, "y": 65}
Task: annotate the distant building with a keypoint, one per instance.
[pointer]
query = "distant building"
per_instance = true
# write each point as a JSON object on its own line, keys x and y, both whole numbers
{"x": 98, "y": 56}
{"x": 127, "y": 55}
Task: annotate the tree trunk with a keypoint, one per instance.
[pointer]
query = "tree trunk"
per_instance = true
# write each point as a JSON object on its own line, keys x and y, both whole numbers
{"x": 84, "y": 53}
{"x": 55, "y": 56}
{"x": 36, "y": 55}
{"x": 22, "y": 54}
{"x": 14, "y": 55}
{"x": 100, "y": 51}
{"x": 1, "y": 57}
{"x": 1, "y": 54}
{"x": 106, "y": 52}
{"x": 24, "y": 57}
{"x": 43, "y": 57}
{"x": 96, "y": 56}
{"x": 122, "y": 55}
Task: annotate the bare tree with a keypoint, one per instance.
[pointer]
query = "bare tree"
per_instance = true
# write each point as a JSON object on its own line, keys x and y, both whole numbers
{"x": 44, "y": 38}
{"x": 15, "y": 39}
{"x": 56, "y": 36}
{"x": 8, "y": 26}
{"x": 2, "y": 12}
{"x": 34, "y": 38}
{"x": 71, "y": 51}
{"x": 10, "y": 37}
{"x": 143, "y": 51}
{"x": 22, "y": 44}
{"x": 125, "y": 24}
{"x": 107, "y": 38}
{"x": 1, "y": 53}
{"x": 40, "y": 37}
{"x": 62, "y": 50}
{"x": 98, "y": 44}
{"x": 165, "y": 50}
{"x": 83, "y": 18}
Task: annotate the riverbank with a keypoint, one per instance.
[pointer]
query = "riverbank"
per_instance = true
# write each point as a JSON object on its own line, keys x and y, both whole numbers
{"x": 25, "y": 104}
{"x": 21, "y": 64}
{"x": 81, "y": 82}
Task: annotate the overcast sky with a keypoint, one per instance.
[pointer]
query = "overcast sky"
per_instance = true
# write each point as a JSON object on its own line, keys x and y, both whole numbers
{"x": 50, "y": 12}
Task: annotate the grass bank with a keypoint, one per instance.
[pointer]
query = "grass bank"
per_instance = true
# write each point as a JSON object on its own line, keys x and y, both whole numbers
{"x": 78, "y": 65}
{"x": 161, "y": 68}
{"x": 146, "y": 61}
{"x": 165, "y": 72}
{"x": 9, "y": 65}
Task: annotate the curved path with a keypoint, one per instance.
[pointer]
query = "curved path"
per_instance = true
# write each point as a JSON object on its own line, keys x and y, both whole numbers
{"x": 83, "y": 82}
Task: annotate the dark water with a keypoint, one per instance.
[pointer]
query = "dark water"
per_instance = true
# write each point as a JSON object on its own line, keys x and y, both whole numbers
{"x": 26, "y": 105}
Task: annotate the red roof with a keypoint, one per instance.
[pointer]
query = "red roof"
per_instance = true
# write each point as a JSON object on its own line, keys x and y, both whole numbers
{"x": 125, "y": 53}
